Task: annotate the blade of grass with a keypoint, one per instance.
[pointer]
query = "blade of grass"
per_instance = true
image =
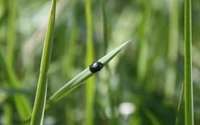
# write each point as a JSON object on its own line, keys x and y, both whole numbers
{"x": 179, "y": 104}
{"x": 34, "y": 41}
{"x": 151, "y": 117}
{"x": 8, "y": 113}
{"x": 143, "y": 44}
{"x": 112, "y": 120}
{"x": 89, "y": 86}
{"x": 172, "y": 49}
{"x": 22, "y": 104}
{"x": 11, "y": 30}
{"x": 188, "y": 88}
{"x": 105, "y": 27}
{"x": 40, "y": 99}
{"x": 85, "y": 74}
{"x": 68, "y": 59}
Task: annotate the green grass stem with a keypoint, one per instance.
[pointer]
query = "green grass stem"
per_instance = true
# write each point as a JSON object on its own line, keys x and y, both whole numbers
{"x": 21, "y": 102}
{"x": 8, "y": 113}
{"x": 112, "y": 120}
{"x": 188, "y": 87}
{"x": 69, "y": 56}
{"x": 40, "y": 99}
{"x": 172, "y": 53}
{"x": 89, "y": 58}
{"x": 11, "y": 30}
{"x": 179, "y": 105}
{"x": 105, "y": 27}
{"x": 143, "y": 44}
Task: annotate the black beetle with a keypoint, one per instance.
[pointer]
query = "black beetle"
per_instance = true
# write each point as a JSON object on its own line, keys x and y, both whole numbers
{"x": 96, "y": 66}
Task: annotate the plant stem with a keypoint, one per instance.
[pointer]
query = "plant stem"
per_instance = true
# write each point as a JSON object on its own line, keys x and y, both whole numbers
{"x": 40, "y": 99}
{"x": 189, "y": 113}
{"x": 105, "y": 27}
{"x": 11, "y": 31}
{"x": 90, "y": 58}
{"x": 172, "y": 49}
{"x": 179, "y": 105}
{"x": 144, "y": 31}
{"x": 8, "y": 113}
{"x": 21, "y": 102}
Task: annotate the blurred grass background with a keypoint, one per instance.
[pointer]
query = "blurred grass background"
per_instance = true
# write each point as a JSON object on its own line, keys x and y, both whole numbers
{"x": 141, "y": 86}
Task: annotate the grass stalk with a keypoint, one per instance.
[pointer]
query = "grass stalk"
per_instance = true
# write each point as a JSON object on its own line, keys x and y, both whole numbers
{"x": 8, "y": 114}
{"x": 40, "y": 99}
{"x": 188, "y": 87}
{"x": 105, "y": 27}
{"x": 172, "y": 49}
{"x": 69, "y": 57}
{"x": 152, "y": 117}
{"x": 112, "y": 120}
{"x": 69, "y": 60}
{"x": 179, "y": 105}
{"x": 89, "y": 59}
{"x": 11, "y": 30}
{"x": 21, "y": 102}
{"x": 143, "y": 44}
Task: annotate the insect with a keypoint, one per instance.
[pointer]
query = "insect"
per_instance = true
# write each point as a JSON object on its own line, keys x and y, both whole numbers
{"x": 96, "y": 66}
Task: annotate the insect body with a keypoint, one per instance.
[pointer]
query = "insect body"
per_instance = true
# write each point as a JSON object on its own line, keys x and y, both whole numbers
{"x": 96, "y": 66}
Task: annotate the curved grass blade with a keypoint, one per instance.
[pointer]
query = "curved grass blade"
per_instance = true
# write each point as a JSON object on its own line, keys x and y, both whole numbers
{"x": 21, "y": 102}
{"x": 179, "y": 105}
{"x": 85, "y": 74}
{"x": 40, "y": 99}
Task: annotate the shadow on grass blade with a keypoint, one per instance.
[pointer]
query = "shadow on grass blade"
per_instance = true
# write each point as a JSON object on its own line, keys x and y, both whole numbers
{"x": 85, "y": 74}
